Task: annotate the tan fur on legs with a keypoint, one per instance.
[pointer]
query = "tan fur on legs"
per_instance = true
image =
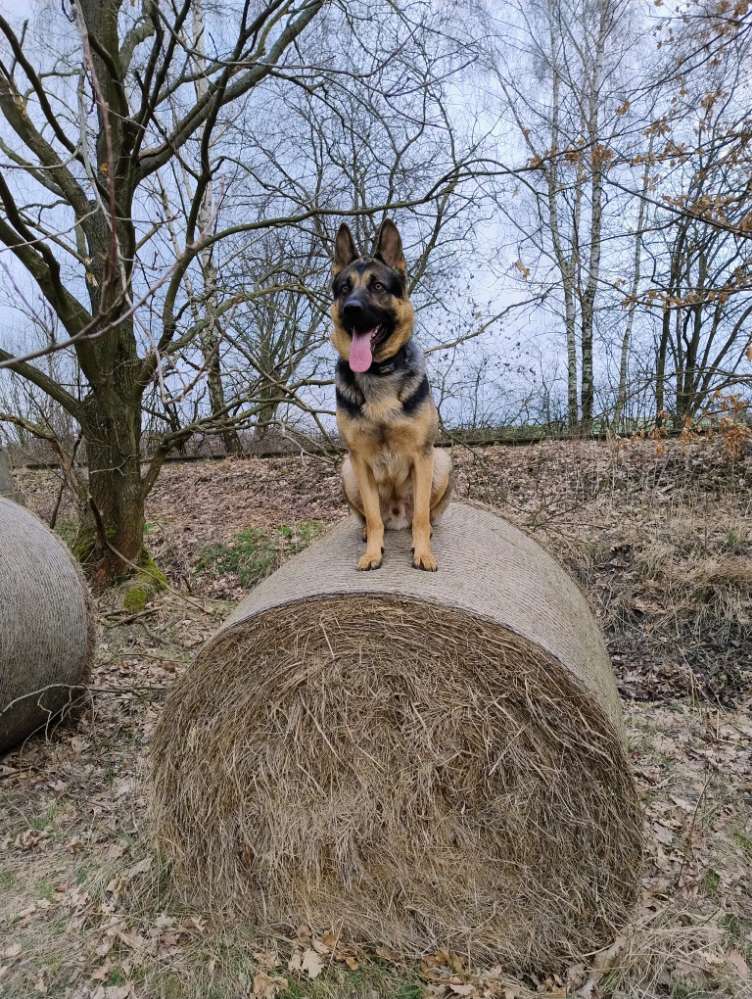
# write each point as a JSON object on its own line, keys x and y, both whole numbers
{"x": 369, "y": 495}
{"x": 352, "y": 493}
{"x": 441, "y": 490}
{"x": 423, "y": 557}
{"x": 350, "y": 486}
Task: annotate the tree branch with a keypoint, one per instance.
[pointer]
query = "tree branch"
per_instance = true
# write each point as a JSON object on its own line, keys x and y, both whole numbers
{"x": 45, "y": 383}
{"x": 153, "y": 159}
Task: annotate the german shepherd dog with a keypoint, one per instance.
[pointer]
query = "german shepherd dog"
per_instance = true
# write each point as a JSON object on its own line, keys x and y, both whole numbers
{"x": 393, "y": 476}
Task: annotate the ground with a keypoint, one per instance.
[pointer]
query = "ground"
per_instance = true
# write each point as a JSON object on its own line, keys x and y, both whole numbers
{"x": 658, "y": 534}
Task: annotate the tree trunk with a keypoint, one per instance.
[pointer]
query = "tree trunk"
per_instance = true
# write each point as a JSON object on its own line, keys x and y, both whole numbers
{"x": 110, "y": 541}
{"x": 660, "y": 368}
{"x": 211, "y": 338}
{"x": 573, "y": 413}
{"x": 587, "y": 307}
{"x": 266, "y": 412}
{"x": 626, "y": 343}
{"x": 230, "y": 438}
{"x": 566, "y": 261}
{"x": 586, "y": 395}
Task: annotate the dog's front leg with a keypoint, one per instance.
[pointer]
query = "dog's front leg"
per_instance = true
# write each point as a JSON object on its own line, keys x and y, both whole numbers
{"x": 423, "y": 557}
{"x": 369, "y": 495}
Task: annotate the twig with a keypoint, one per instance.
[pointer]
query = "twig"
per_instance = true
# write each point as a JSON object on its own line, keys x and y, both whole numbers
{"x": 688, "y": 838}
{"x": 130, "y": 618}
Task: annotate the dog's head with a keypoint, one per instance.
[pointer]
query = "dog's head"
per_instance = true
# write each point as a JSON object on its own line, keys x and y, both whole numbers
{"x": 372, "y": 313}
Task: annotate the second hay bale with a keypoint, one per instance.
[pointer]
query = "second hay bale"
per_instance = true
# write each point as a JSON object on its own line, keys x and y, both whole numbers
{"x": 418, "y": 760}
{"x": 47, "y": 628}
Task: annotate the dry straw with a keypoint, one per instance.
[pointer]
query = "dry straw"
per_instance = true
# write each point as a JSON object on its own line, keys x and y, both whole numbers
{"x": 47, "y": 629}
{"x": 417, "y": 760}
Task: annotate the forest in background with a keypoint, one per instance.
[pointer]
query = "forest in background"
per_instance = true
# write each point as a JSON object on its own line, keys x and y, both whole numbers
{"x": 571, "y": 178}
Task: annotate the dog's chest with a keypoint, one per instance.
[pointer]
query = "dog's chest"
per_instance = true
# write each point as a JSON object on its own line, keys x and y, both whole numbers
{"x": 382, "y": 429}
{"x": 384, "y": 434}
{"x": 389, "y": 465}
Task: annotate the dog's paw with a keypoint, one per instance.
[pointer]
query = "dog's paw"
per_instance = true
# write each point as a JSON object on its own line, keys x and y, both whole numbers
{"x": 369, "y": 560}
{"x": 424, "y": 558}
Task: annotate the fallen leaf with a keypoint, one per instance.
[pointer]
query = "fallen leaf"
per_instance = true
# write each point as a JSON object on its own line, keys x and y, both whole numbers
{"x": 663, "y": 835}
{"x": 267, "y": 986}
{"x": 102, "y": 972}
{"x": 267, "y": 960}
{"x": 738, "y": 963}
{"x": 118, "y": 992}
{"x": 311, "y": 963}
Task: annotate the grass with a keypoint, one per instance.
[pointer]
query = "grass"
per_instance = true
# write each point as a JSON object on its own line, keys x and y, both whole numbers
{"x": 255, "y": 553}
{"x": 45, "y": 889}
{"x": 711, "y": 882}
{"x": 745, "y": 843}
{"x": 44, "y": 819}
{"x": 739, "y": 930}
{"x": 337, "y": 983}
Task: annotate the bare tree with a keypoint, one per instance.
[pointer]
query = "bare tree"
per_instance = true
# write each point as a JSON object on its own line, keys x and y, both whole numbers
{"x": 101, "y": 131}
{"x": 576, "y": 51}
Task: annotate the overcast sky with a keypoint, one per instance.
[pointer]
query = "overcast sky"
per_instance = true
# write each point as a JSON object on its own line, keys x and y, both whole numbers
{"x": 20, "y": 8}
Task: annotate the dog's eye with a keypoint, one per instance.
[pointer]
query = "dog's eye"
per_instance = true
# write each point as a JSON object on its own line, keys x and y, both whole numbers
{"x": 377, "y": 286}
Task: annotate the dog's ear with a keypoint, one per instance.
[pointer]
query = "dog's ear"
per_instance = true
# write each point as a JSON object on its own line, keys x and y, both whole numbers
{"x": 345, "y": 250}
{"x": 389, "y": 246}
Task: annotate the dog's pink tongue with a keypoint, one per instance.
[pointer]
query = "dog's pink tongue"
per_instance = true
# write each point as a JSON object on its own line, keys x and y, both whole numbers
{"x": 360, "y": 351}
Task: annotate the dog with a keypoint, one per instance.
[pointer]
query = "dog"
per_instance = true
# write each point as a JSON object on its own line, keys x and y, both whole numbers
{"x": 393, "y": 476}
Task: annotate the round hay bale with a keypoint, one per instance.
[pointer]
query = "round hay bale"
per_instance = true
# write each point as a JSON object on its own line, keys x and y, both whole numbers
{"x": 48, "y": 632}
{"x": 419, "y": 760}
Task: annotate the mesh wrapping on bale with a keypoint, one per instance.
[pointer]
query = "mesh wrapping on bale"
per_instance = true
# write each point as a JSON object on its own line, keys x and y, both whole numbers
{"x": 412, "y": 759}
{"x": 47, "y": 630}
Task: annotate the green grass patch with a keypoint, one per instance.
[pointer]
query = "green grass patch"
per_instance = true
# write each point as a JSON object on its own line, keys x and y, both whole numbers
{"x": 711, "y": 881}
{"x": 45, "y": 889}
{"x": 44, "y": 819}
{"x": 739, "y": 930}
{"x": 744, "y": 842}
{"x": 410, "y": 992}
{"x": 371, "y": 980}
{"x": 254, "y": 553}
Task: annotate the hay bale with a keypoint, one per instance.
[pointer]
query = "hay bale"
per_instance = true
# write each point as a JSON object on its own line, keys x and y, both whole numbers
{"x": 47, "y": 634}
{"x": 415, "y": 759}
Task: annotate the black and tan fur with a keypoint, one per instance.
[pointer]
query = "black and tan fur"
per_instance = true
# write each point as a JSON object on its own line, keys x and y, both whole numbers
{"x": 393, "y": 476}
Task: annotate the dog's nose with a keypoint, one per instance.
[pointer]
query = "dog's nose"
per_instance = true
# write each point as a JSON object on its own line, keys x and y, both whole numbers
{"x": 353, "y": 311}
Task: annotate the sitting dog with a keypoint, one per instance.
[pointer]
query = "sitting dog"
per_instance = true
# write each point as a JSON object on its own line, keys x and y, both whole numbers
{"x": 393, "y": 476}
